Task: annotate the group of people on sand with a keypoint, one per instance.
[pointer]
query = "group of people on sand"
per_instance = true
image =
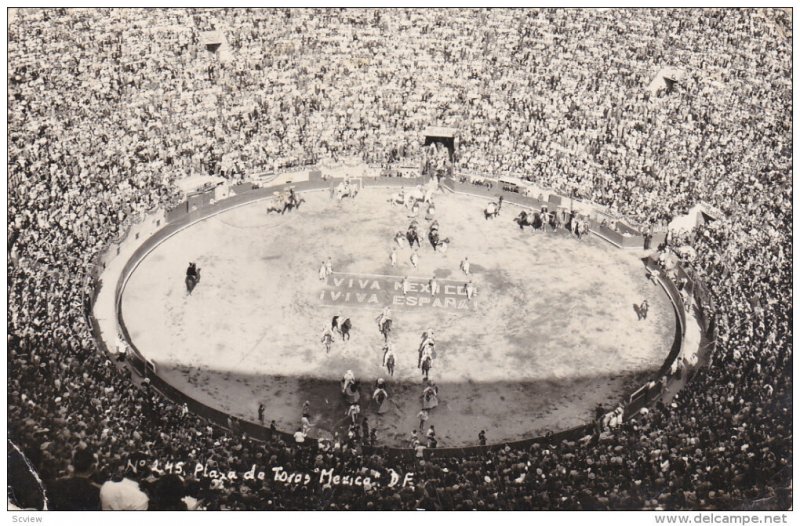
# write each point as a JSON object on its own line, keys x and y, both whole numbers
{"x": 351, "y": 387}
{"x": 351, "y": 394}
{"x": 340, "y": 326}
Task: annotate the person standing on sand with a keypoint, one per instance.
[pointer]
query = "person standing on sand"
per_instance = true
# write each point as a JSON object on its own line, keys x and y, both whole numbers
{"x": 400, "y": 239}
{"x": 434, "y": 286}
{"x": 469, "y": 289}
{"x": 327, "y": 339}
{"x": 353, "y": 411}
{"x": 414, "y": 259}
{"x": 388, "y": 358}
{"x": 423, "y": 417}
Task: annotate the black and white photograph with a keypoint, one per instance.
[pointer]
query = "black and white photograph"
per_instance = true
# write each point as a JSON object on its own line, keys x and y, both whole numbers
{"x": 409, "y": 258}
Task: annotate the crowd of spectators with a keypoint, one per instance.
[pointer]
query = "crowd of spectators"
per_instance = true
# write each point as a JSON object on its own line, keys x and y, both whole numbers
{"x": 108, "y": 109}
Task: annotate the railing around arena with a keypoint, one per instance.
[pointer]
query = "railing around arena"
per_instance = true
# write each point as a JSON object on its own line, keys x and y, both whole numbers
{"x": 152, "y": 228}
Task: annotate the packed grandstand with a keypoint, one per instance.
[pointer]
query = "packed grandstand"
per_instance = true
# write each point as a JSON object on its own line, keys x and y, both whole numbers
{"x": 109, "y": 109}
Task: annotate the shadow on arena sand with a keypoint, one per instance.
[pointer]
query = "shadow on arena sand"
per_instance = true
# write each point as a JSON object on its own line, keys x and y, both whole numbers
{"x": 506, "y": 410}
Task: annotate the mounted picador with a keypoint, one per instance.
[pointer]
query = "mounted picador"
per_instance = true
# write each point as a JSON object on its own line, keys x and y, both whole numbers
{"x": 192, "y": 277}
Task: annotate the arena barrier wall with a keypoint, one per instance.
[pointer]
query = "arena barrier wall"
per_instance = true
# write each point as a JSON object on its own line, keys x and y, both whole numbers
{"x": 408, "y": 454}
{"x": 393, "y": 182}
{"x": 616, "y": 237}
{"x": 180, "y": 217}
{"x": 493, "y": 193}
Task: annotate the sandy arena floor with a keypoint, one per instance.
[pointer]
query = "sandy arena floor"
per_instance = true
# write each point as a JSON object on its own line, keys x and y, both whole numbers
{"x": 551, "y": 333}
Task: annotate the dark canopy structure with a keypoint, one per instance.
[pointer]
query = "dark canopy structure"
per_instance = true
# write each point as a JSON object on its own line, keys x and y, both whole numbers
{"x": 444, "y": 136}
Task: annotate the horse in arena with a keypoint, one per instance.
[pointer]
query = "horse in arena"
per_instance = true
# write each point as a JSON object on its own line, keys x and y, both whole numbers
{"x": 386, "y": 329}
{"x": 345, "y": 189}
{"x": 437, "y": 242}
{"x": 492, "y": 210}
{"x": 426, "y": 365}
{"x": 427, "y": 196}
{"x": 278, "y": 203}
{"x": 345, "y": 329}
{"x": 192, "y": 277}
{"x": 350, "y": 387}
{"x": 399, "y": 198}
{"x": 413, "y": 197}
{"x": 430, "y": 398}
{"x": 429, "y": 189}
{"x": 347, "y": 379}
{"x": 412, "y": 236}
{"x": 292, "y": 201}
{"x": 578, "y": 227}
{"x": 419, "y": 194}
{"x": 547, "y": 218}
{"x": 431, "y": 211}
{"x": 557, "y": 222}
{"x": 389, "y": 359}
{"x": 434, "y": 238}
{"x": 526, "y": 218}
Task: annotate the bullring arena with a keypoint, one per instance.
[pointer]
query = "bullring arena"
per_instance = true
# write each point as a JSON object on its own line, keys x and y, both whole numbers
{"x": 551, "y": 332}
{"x": 400, "y": 259}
